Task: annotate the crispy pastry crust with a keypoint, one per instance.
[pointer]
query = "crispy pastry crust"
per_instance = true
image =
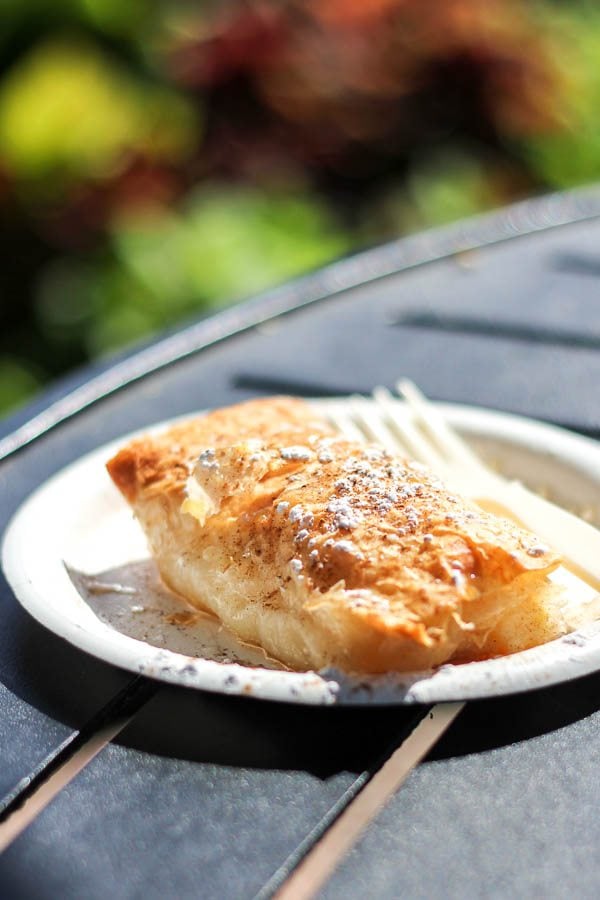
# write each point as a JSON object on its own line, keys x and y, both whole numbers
{"x": 326, "y": 551}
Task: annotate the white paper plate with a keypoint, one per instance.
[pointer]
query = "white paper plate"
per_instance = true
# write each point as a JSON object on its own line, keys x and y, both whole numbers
{"x": 78, "y": 523}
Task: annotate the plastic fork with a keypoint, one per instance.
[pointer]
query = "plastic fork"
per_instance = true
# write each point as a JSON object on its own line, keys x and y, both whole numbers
{"x": 426, "y": 437}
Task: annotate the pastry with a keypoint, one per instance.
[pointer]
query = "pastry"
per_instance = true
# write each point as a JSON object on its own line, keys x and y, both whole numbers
{"x": 330, "y": 552}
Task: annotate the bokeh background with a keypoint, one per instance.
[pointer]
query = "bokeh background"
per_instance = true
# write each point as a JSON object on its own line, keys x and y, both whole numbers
{"x": 159, "y": 159}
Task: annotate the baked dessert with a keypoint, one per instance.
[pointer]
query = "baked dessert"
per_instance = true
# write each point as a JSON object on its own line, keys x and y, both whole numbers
{"x": 330, "y": 552}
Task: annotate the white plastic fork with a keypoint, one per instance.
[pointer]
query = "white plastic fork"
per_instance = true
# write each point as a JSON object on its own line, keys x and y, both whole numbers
{"x": 426, "y": 437}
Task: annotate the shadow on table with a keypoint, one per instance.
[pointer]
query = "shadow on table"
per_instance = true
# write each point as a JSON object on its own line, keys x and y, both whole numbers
{"x": 49, "y": 674}
{"x": 70, "y": 687}
{"x": 488, "y": 724}
{"x": 325, "y": 740}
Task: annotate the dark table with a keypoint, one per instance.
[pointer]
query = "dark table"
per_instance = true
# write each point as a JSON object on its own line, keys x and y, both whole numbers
{"x": 209, "y": 796}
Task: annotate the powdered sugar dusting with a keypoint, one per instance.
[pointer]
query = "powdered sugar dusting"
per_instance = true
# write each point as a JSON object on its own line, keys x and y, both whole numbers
{"x": 345, "y": 517}
{"x": 207, "y": 460}
{"x": 296, "y": 453}
{"x": 347, "y": 547}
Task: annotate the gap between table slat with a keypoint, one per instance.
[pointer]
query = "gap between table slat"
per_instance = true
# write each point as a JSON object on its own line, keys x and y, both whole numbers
{"x": 35, "y": 791}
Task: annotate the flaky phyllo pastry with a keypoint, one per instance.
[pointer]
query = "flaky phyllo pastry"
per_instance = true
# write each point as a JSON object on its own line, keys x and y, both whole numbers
{"x": 330, "y": 552}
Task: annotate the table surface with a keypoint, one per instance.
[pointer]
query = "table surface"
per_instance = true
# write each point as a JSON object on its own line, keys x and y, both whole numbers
{"x": 209, "y": 796}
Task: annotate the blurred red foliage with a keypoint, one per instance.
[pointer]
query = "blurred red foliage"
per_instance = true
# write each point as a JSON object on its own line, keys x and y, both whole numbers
{"x": 140, "y": 186}
{"x": 344, "y": 85}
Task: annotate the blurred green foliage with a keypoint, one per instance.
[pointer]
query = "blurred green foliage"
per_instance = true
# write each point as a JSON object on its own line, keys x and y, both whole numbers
{"x": 222, "y": 242}
{"x": 68, "y": 111}
{"x": 571, "y": 154}
{"x": 159, "y": 160}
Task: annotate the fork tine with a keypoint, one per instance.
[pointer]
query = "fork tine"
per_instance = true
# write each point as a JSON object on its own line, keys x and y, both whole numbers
{"x": 344, "y": 424}
{"x": 407, "y": 436}
{"x": 371, "y": 423}
{"x": 454, "y": 448}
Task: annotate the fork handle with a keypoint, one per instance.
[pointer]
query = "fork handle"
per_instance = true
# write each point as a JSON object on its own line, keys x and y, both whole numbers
{"x": 550, "y": 522}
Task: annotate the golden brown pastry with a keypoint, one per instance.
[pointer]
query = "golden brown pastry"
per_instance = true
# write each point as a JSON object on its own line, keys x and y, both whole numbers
{"x": 329, "y": 552}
